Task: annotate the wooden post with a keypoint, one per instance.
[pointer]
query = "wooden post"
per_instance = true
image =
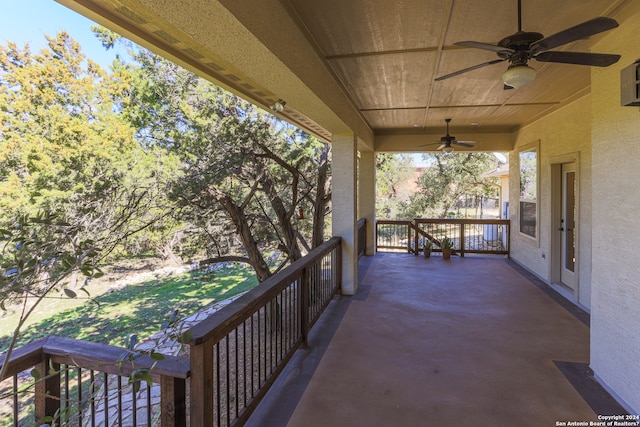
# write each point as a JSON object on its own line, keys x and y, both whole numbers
{"x": 201, "y": 385}
{"x": 508, "y": 240}
{"x": 462, "y": 238}
{"x": 414, "y": 224}
{"x": 173, "y": 402}
{"x": 375, "y": 235}
{"x": 338, "y": 259}
{"x": 47, "y": 388}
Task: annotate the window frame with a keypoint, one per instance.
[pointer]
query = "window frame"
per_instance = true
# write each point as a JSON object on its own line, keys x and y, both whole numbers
{"x": 529, "y": 191}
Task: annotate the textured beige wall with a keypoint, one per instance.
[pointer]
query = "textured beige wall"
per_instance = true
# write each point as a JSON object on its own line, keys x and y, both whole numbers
{"x": 563, "y": 135}
{"x": 615, "y": 322}
{"x": 344, "y": 193}
{"x": 367, "y": 196}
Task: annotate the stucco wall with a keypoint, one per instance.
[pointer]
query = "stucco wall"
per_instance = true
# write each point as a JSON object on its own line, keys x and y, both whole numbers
{"x": 562, "y": 135}
{"x": 615, "y": 322}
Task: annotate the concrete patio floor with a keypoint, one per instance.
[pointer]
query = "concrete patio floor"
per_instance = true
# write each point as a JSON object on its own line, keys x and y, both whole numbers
{"x": 473, "y": 341}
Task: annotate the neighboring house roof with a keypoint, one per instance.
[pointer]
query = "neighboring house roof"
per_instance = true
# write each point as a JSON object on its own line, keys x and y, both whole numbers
{"x": 502, "y": 170}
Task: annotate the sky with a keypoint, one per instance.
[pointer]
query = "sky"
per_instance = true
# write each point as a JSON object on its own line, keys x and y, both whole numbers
{"x": 24, "y": 21}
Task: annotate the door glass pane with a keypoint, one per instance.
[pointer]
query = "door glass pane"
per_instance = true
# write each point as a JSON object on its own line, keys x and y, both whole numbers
{"x": 570, "y": 221}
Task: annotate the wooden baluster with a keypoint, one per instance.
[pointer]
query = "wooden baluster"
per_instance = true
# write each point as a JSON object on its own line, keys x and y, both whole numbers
{"x": 47, "y": 398}
{"x": 173, "y": 400}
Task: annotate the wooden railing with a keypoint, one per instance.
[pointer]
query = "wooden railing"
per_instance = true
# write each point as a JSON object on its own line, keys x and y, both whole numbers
{"x": 237, "y": 353}
{"x": 394, "y": 235}
{"x": 362, "y": 236}
{"x": 80, "y": 383}
{"x": 235, "y": 356}
{"x": 482, "y": 236}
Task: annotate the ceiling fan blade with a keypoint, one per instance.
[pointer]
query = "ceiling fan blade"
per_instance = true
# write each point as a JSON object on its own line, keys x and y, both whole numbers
{"x": 580, "y": 31}
{"x": 468, "y": 144}
{"x": 475, "y": 67}
{"x": 485, "y": 46}
{"x": 426, "y": 145}
{"x": 578, "y": 58}
{"x": 442, "y": 146}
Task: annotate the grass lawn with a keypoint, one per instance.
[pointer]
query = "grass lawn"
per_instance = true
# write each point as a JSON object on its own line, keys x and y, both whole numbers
{"x": 138, "y": 308}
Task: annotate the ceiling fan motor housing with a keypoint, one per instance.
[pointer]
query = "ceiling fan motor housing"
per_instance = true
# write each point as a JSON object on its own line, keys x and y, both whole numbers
{"x": 520, "y": 40}
{"x": 517, "y": 47}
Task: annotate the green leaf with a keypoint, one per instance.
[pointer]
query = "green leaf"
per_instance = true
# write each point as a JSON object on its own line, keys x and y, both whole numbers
{"x": 122, "y": 357}
{"x": 68, "y": 292}
{"x": 131, "y": 341}
{"x": 39, "y": 220}
{"x": 52, "y": 368}
{"x": 156, "y": 356}
{"x": 142, "y": 374}
{"x": 186, "y": 337}
{"x": 35, "y": 374}
{"x": 67, "y": 263}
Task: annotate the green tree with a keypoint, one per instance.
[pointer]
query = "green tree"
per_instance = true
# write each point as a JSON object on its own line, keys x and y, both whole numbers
{"x": 39, "y": 255}
{"x": 450, "y": 176}
{"x": 74, "y": 183}
{"x": 248, "y": 177}
{"x": 394, "y": 175}
{"x": 65, "y": 148}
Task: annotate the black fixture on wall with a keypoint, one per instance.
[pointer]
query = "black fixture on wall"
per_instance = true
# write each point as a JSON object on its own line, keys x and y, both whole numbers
{"x": 630, "y": 85}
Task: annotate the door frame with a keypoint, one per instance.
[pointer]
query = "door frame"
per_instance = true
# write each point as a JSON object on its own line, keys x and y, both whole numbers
{"x": 555, "y": 256}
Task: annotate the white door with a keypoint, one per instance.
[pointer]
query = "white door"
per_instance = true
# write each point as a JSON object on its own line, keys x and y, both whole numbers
{"x": 569, "y": 224}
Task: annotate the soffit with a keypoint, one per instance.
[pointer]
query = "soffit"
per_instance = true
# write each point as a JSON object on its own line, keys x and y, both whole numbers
{"x": 367, "y": 66}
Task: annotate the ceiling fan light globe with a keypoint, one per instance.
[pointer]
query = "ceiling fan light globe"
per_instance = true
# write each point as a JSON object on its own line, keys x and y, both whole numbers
{"x": 519, "y": 76}
{"x": 448, "y": 149}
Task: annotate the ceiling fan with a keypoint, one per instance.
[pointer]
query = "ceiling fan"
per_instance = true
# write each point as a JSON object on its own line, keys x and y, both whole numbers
{"x": 522, "y": 46}
{"x": 447, "y": 140}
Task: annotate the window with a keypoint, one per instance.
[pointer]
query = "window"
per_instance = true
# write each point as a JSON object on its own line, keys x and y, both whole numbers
{"x": 528, "y": 212}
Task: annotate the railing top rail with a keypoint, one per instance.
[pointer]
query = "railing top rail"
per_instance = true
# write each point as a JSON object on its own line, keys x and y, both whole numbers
{"x": 101, "y": 357}
{"x": 24, "y": 357}
{"x": 221, "y": 322}
{"x": 394, "y": 221}
{"x": 96, "y": 356}
{"x": 443, "y": 221}
{"x": 461, "y": 221}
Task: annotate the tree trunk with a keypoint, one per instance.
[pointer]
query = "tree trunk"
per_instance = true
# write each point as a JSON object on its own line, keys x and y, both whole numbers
{"x": 244, "y": 231}
{"x": 284, "y": 217}
{"x": 321, "y": 199}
